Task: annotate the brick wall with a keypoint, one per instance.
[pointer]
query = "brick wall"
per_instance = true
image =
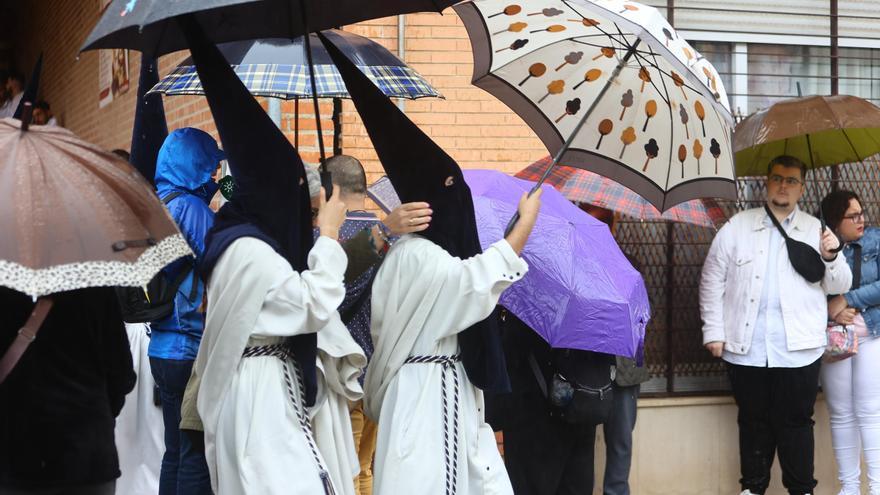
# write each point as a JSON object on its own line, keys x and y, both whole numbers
{"x": 469, "y": 124}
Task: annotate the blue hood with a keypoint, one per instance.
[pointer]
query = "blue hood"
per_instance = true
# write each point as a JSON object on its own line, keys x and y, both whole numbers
{"x": 186, "y": 161}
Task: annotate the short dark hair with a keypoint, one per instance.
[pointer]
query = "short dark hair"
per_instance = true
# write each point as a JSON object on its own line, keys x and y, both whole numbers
{"x": 42, "y": 105}
{"x": 16, "y": 76}
{"x": 834, "y": 206}
{"x": 348, "y": 173}
{"x": 788, "y": 161}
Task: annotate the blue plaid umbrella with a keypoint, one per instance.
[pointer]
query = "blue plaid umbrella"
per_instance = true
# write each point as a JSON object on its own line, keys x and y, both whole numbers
{"x": 277, "y": 68}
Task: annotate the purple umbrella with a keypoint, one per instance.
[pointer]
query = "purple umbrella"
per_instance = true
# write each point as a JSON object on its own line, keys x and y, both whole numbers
{"x": 580, "y": 291}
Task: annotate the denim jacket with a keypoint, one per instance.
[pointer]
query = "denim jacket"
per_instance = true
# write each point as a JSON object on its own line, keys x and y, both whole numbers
{"x": 867, "y": 297}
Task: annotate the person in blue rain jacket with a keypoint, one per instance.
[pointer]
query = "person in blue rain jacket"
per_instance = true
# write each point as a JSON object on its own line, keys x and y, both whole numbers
{"x": 184, "y": 168}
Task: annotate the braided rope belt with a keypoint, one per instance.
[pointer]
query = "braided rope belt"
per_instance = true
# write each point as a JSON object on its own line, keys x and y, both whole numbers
{"x": 283, "y": 352}
{"x": 448, "y": 364}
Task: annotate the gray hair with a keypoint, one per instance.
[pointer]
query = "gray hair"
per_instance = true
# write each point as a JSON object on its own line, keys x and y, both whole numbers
{"x": 314, "y": 178}
{"x": 347, "y": 173}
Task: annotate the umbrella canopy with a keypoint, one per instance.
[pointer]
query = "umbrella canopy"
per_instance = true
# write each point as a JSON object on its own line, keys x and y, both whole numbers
{"x": 580, "y": 291}
{"x": 819, "y": 130}
{"x": 277, "y": 68}
{"x": 609, "y": 87}
{"x": 76, "y": 216}
{"x": 149, "y": 25}
{"x": 586, "y": 187}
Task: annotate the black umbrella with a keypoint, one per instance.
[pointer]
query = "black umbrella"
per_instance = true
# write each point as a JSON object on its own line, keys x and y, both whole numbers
{"x": 150, "y": 128}
{"x": 149, "y": 25}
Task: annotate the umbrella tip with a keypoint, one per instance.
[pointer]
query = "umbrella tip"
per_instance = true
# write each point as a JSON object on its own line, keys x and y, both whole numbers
{"x": 26, "y": 115}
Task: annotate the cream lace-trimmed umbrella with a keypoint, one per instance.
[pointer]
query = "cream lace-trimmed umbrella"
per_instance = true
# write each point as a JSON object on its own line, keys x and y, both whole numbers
{"x": 76, "y": 216}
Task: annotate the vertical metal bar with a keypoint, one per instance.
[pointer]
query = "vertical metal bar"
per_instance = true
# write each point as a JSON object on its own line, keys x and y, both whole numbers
{"x": 337, "y": 126}
{"x": 835, "y": 75}
{"x": 670, "y": 319}
{"x": 401, "y": 51}
{"x": 670, "y": 260}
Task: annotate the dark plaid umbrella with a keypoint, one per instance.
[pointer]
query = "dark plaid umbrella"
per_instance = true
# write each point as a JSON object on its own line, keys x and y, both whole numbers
{"x": 150, "y": 26}
{"x": 277, "y": 68}
{"x": 587, "y": 187}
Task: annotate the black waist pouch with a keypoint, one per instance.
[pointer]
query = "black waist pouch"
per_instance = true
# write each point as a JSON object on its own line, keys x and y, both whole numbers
{"x": 803, "y": 258}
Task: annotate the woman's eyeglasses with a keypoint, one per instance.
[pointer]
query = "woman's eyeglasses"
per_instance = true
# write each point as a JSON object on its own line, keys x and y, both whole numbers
{"x": 856, "y": 217}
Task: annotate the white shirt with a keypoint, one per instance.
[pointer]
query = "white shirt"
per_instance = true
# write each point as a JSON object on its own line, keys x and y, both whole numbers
{"x": 9, "y": 108}
{"x": 769, "y": 347}
{"x": 733, "y": 283}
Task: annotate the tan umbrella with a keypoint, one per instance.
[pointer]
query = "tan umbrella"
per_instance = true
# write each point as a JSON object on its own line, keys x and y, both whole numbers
{"x": 74, "y": 216}
{"x": 819, "y": 130}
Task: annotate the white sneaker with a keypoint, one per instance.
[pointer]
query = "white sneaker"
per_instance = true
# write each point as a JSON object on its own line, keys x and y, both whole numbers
{"x": 747, "y": 492}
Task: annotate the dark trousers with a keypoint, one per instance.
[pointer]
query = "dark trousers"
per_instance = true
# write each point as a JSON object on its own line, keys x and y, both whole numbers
{"x": 550, "y": 457}
{"x": 184, "y": 469}
{"x": 775, "y": 417}
{"x": 618, "y": 440}
{"x": 107, "y": 488}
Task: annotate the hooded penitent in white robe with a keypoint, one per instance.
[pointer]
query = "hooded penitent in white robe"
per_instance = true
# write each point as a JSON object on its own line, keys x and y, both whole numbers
{"x": 422, "y": 298}
{"x": 257, "y": 438}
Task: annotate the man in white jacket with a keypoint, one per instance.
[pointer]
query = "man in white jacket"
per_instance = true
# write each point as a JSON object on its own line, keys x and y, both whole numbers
{"x": 768, "y": 324}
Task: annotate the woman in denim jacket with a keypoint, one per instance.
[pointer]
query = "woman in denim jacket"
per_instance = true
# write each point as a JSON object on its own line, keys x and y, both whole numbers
{"x": 851, "y": 388}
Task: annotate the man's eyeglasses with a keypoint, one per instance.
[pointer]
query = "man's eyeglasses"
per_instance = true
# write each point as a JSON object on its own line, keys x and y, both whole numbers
{"x": 789, "y": 181}
{"x": 856, "y": 217}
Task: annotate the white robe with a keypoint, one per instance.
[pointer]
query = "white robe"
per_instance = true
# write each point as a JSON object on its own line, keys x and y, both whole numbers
{"x": 254, "y": 440}
{"x": 139, "y": 430}
{"x": 422, "y": 298}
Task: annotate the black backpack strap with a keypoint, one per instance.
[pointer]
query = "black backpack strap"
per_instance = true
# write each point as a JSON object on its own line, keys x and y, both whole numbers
{"x": 539, "y": 376}
{"x": 775, "y": 222}
{"x": 167, "y": 199}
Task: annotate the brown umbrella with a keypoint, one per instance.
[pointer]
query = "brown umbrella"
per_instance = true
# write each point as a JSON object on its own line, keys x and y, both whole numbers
{"x": 819, "y": 130}
{"x": 73, "y": 215}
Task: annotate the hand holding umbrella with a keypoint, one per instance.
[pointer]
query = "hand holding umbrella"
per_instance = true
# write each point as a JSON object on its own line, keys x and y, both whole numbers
{"x": 628, "y": 136}
{"x": 650, "y": 111}
{"x": 572, "y": 58}
{"x": 605, "y": 128}
{"x": 535, "y": 70}
{"x": 626, "y": 101}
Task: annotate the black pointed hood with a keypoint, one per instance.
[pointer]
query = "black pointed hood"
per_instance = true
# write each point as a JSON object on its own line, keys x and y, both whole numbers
{"x": 271, "y": 199}
{"x": 420, "y": 170}
{"x": 31, "y": 89}
{"x": 150, "y": 128}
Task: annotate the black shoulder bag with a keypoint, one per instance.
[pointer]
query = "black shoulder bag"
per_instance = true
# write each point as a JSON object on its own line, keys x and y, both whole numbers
{"x": 804, "y": 258}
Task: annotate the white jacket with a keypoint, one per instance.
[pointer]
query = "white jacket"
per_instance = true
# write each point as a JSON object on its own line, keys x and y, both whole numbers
{"x": 733, "y": 279}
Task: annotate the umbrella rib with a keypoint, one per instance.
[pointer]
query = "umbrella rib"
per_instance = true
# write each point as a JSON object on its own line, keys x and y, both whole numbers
{"x": 671, "y": 136}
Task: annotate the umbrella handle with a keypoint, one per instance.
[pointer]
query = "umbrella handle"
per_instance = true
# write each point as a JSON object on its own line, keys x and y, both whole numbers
{"x": 629, "y": 53}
